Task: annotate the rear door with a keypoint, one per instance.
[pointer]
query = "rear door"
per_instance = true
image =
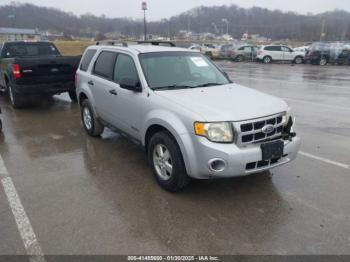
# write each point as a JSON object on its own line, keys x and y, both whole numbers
{"x": 101, "y": 84}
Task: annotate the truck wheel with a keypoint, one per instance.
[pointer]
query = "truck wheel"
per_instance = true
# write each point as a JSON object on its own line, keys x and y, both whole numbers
{"x": 267, "y": 59}
{"x": 164, "y": 155}
{"x": 91, "y": 124}
{"x": 73, "y": 96}
{"x": 298, "y": 60}
{"x": 210, "y": 55}
{"x": 15, "y": 99}
{"x": 323, "y": 61}
{"x": 239, "y": 58}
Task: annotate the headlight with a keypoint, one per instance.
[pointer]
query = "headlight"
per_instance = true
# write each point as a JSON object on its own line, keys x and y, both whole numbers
{"x": 215, "y": 132}
{"x": 287, "y": 116}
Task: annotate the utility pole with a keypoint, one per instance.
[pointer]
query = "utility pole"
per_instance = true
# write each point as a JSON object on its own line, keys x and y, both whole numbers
{"x": 323, "y": 34}
{"x": 12, "y": 17}
{"x": 343, "y": 38}
{"x": 144, "y": 8}
{"x": 225, "y": 20}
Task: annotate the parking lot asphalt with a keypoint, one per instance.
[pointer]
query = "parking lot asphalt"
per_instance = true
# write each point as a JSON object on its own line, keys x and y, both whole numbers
{"x": 97, "y": 196}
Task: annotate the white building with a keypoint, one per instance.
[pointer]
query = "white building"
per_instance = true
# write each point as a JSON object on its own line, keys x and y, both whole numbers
{"x": 18, "y": 34}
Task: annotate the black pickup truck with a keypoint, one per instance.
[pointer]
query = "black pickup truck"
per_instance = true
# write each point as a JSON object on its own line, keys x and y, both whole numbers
{"x": 34, "y": 69}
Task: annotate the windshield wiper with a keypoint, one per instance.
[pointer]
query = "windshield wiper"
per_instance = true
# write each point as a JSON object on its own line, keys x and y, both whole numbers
{"x": 171, "y": 87}
{"x": 207, "y": 85}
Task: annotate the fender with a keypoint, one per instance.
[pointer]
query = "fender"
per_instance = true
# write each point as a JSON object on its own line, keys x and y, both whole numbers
{"x": 175, "y": 126}
{"x": 86, "y": 90}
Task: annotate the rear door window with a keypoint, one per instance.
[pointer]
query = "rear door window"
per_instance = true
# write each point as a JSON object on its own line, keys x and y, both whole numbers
{"x": 273, "y": 48}
{"x": 104, "y": 65}
{"x": 85, "y": 62}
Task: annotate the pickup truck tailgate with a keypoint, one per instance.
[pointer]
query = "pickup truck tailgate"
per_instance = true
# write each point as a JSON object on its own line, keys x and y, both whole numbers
{"x": 51, "y": 69}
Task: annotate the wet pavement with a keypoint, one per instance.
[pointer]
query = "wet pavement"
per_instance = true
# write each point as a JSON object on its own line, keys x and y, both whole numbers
{"x": 97, "y": 196}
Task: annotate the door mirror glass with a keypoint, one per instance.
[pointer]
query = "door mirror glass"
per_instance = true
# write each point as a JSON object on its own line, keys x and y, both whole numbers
{"x": 130, "y": 84}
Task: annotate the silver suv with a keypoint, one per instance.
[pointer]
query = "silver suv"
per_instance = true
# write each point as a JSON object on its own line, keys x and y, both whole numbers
{"x": 192, "y": 121}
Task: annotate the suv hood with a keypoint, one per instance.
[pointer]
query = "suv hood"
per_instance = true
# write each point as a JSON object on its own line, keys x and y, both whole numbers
{"x": 231, "y": 102}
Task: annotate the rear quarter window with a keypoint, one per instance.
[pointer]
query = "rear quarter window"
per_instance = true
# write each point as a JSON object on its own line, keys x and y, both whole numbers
{"x": 86, "y": 60}
{"x": 104, "y": 65}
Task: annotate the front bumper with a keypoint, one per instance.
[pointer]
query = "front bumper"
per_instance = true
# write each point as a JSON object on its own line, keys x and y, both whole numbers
{"x": 238, "y": 160}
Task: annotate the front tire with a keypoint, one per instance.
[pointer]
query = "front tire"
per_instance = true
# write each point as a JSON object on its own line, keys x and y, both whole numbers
{"x": 91, "y": 124}
{"x": 15, "y": 99}
{"x": 165, "y": 157}
{"x": 298, "y": 60}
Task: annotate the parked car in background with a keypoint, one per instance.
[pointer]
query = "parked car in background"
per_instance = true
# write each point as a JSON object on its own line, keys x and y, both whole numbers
{"x": 192, "y": 121}
{"x": 302, "y": 49}
{"x": 225, "y": 50}
{"x": 270, "y": 53}
{"x": 322, "y": 53}
{"x": 33, "y": 69}
{"x": 344, "y": 57}
{"x": 210, "y": 50}
{"x": 243, "y": 53}
{"x": 195, "y": 47}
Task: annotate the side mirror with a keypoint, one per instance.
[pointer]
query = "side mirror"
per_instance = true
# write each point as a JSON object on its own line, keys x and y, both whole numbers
{"x": 130, "y": 84}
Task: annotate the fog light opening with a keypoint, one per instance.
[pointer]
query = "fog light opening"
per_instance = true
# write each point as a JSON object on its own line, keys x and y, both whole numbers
{"x": 217, "y": 165}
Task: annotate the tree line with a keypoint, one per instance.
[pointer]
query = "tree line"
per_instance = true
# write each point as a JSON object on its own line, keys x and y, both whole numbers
{"x": 273, "y": 24}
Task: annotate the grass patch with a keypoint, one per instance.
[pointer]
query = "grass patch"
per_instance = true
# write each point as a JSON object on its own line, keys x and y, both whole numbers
{"x": 72, "y": 48}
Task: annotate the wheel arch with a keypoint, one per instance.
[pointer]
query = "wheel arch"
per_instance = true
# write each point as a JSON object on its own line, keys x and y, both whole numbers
{"x": 157, "y": 125}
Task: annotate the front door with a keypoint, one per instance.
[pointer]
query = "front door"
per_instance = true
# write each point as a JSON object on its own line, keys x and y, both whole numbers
{"x": 129, "y": 105}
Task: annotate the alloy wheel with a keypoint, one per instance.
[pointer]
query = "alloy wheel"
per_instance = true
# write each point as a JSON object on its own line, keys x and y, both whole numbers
{"x": 162, "y": 162}
{"x": 87, "y": 118}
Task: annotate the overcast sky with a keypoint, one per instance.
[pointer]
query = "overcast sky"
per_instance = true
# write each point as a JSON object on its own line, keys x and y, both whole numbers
{"x": 166, "y": 8}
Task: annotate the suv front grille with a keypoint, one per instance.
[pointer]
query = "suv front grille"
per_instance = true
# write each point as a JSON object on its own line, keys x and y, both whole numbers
{"x": 251, "y": 131}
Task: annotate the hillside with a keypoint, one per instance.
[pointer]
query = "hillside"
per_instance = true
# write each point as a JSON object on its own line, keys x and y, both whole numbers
{"x": 271, "y": 23}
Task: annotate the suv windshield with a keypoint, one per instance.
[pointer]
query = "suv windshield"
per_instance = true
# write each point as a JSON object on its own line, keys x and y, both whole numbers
{"x": 174, "y": 70}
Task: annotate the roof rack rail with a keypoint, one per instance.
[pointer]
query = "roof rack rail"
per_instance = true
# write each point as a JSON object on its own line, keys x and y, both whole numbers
{"x": 112, "y": 42}
{"x": 157, "y": 43}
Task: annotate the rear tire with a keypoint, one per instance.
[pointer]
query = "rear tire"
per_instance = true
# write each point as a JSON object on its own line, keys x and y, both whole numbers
{"x": 267, "y": 60}
{"x": 210, "y": 55}
{"x": 91, "y": 124}
{"x": 73, "y": 96}
{"x": 15, "y": 99}
{"x": 323, "y": 61}
{"x": 165, "y": 157}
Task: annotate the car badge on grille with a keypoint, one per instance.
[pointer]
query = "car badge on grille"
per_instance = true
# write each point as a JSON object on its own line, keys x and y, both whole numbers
{"x": 268, "y": 129}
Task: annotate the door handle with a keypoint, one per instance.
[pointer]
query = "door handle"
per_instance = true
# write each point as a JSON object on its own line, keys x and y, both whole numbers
{"x": 91, "y": 83}
{"x": 113, "y": 92}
